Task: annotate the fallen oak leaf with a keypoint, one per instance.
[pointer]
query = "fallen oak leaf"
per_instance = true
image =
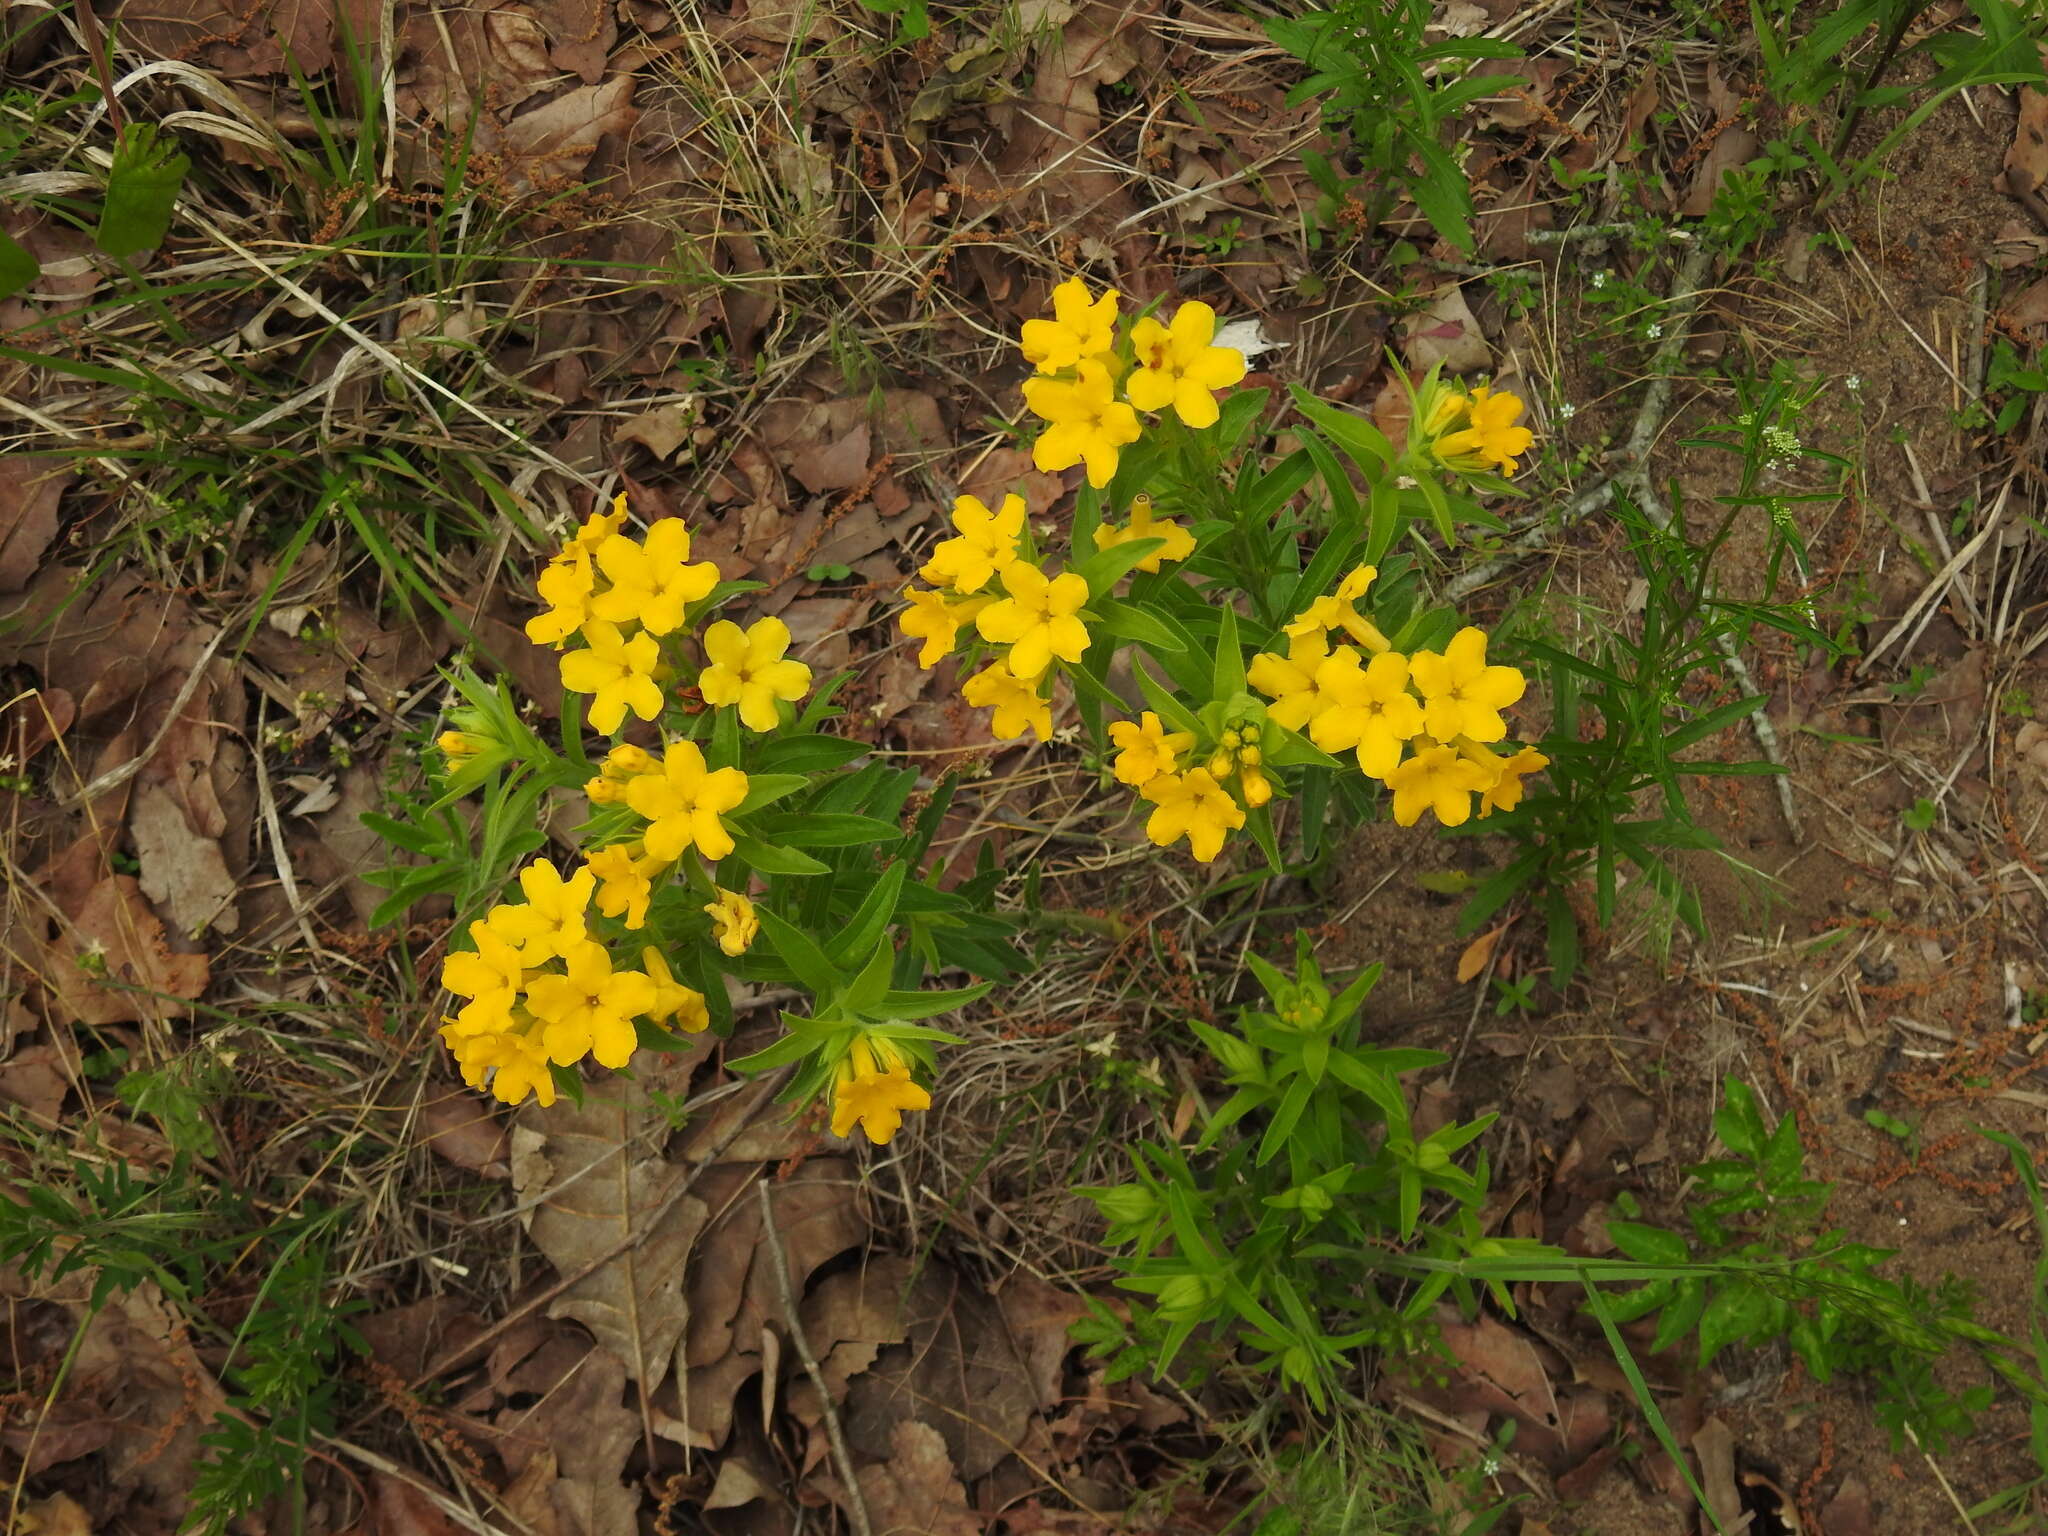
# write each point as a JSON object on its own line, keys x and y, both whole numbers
{"x": 113, "y": 965}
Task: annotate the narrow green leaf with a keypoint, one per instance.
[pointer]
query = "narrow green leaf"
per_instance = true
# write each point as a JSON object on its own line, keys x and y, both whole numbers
{"x": 142, "y": 192}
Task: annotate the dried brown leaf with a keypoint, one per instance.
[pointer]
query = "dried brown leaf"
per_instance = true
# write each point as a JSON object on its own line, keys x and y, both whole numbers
{"x": 549, "y": 146}
{"x": 1445, "y": 333}
{"x": 183, "y": 871}
{"x": 610, "y": 1199}
{"x": 143, "y": 979}
{"x": 31, "y": 485}
{"x": 459, "y": 1126}
{"x": 835, "y": 466}
{"x": 917, "y": 1490}
{"x": 1478, "y": 955}
{"x": 660, "y": 431}
{"x": 581, "y": 1424}
{"x": 581, "y": 34}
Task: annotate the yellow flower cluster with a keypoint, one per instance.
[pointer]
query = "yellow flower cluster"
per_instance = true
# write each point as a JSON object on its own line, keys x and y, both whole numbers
{"x": 1441, "y": 709}
{"x": 542, "y": 991}
{"x": 541, "y": 985}
{"x": 622, "y": 597}
{"x": 1089, "y": 394}
{"x": 1196, "y": 803}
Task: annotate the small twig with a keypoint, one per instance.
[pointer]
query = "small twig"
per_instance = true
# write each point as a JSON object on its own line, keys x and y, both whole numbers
{"x": 856, "y": 1505}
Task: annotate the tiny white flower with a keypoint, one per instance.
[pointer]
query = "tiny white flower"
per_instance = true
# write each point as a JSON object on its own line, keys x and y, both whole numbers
{"x": 1599, "y": 279}
{"x": 1567, "y": 411}
{"x": 1491, "y": 1465}
{"x": 1853, "y": 383}
{"x": 1654, "y": 329}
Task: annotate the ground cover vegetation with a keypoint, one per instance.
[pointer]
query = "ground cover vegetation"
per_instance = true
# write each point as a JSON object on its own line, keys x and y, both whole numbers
{"x": 1029, "y": 769}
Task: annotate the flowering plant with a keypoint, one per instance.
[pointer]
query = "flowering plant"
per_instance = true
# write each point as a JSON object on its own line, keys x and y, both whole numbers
{"x": 1258, "y": 676}
{"x": 735, "y": 839}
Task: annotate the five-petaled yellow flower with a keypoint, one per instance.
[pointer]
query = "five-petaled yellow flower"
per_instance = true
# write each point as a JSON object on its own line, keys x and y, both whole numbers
{"x": 733, "y": 922}
{"x": 673, "y": 1002}
{"x": 551, "y": 920}
{"x": 590, "y": 1009}
{"x": 515, "y": 1064}
{"x": 1506, "y": 792}
{"x": 1493, "y": 437}
{"x": 1081, "y": 328}
{"x": 937, "y": 622}
{"x": 1436, "y": 778}
{"x": 1370, "y": 708}
{"x": 1085, "y": 423}
{"x": 683, "y": 804}
{"x": 1290, "y": 680}
{"x": 1037, "y": 621}
{"x": 987, "y": 543}
{"x": 1191, "y": 805}
{"x": 748, "y": 669}
{"x": 872, "y": 1088}
{"x": 650, "y": 581}
{"x": 490, "y": 975}
{"x": 1462, "y": 695}
{"x": 1147, "y": 749}
{"x": 1178, "y": 366}
{"x": 1017, "y": 704}
{"x": 565, "y": 586}
{"x": 620, "y": 672}
{"x": 625, "y": 882}
{"x": 1339, "y": 610}
{"x": 1176, "y": 542}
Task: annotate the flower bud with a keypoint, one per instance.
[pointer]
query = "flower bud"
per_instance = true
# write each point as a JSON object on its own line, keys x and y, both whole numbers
{"x": 1125, "y": 1204}
{"x": 1183, "y": 1297}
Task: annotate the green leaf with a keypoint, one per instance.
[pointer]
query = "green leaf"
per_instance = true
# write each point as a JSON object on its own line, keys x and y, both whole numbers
{"x": 1648, "y": 1245}
{"x": 17, "y": 267}
{"x": 1737, "y": 1123}
{"x": 1784, "y": 1159}
{"x": 1290, "y": 749}
{"x": 1166, "y": 705}
{"x": 142, "y": 191}
{"x": 1106, "y": 567}
{"x": 768, "y": 859}
{"x": 1127, "y": 621}
{"x": 1365, "y": 444}
{"x": 872, "y": 984}
{"x": 767, "y": 788}
{"x": 828, "y": 829}
{"x": 925, "y": 1005}
{"x": 1226, "y": 680}
{"x": 1735, "y": 1314}
{"x": 1682, "y": 1316}
{"x": 812, "y": 968}
{"x": 796, "y": 1045}
{"x": 805, "y": 754}
{"x": 1678, "y": 739}
{"x": 870, "y": 919}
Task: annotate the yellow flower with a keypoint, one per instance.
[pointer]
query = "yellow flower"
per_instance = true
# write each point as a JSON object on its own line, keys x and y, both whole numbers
{"x": 1178, "y": 367}
{"x": 1506, "y": 791}
{"x": 1178, "y": 545}
{"x": 1191, "y": 805}
{"x": 1290, "y": 680}
{"x": 683, "y": 803}
{"x": 600, "y": 526}
{"x": 1493, "y": 437}
{"x": 1037, "y": 620}
{"x": 514, "y": 1063}
{"x": 1253, "y": 784}
{"x": 673, "y": 1002}
{"x": 1435, "y": 778}
{"x": 937, "y": 622}
{"x": 565, "y": 586}
{"x": 589, "y": 1011}
{"x": 620, "y": 672}
{"x": 1016, "y": 703}
{"x": 748, "y": 669}
{"x": 872, "y": 1089}
{"x": 456, "y": 745}
{"x": 624, "y": 763}
{"x": 1462, "y": 695}
{"x": 1339, "y": 610}
{"x": 490, "y": 975}
{"x": 551, "y": 920}
{"x": 733, "y": 922}
{"x": 1086, "y": 423}
{"x": 1148, "y": 749}
{"x": 1370, "y": 709}
{"x": 1081, "y": 327}
{"x": 625, "y": 882}
{"x": 650, "y": 581}
{"x": 987, "y": 543}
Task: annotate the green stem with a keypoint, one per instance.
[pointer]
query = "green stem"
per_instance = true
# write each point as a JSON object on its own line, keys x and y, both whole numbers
{"x": 1907, "y": 15}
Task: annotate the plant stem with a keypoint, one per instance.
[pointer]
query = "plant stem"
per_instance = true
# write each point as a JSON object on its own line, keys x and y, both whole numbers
{"x": 1907, "y": 14}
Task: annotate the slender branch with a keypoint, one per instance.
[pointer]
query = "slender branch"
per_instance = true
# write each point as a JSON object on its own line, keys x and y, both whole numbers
{"x": 856, "y": 1505}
